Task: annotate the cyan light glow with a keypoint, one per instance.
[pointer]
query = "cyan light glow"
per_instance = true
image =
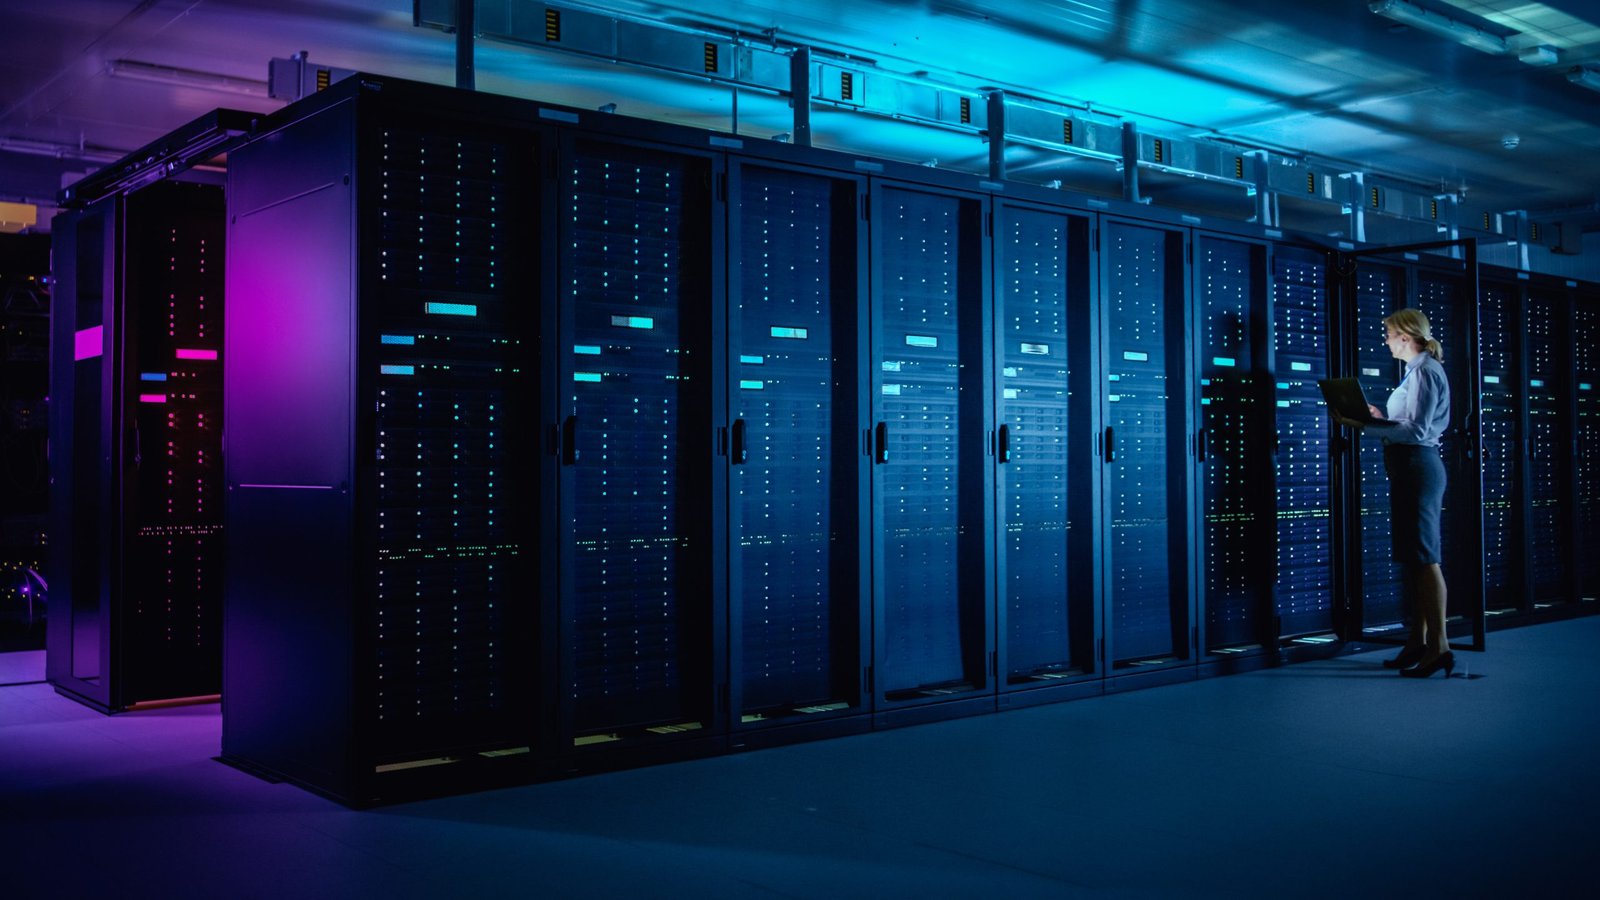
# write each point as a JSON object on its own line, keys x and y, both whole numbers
{"x": 1300, "y": 366}
{"x": 891, "y": 390}
{"x": 921, "y": 340}
{"x": 1495, "y": 379}
{"x": 752, "y": 360}
{"x": 586, "y": 376}
{"x": 397, "y": 370}
{"x": 586, "y": 350}
{"x": 1223, "y": 361}
{"x": 436, "y": 308}
{"x": 404, "y": 340}
{"x": 633, "y": 321}
{"x": 794, "y": 333}
{"x": 1036, "y": 349}
{"x": 753, "y": 385}
{"x": 1135, "y": 356}
{"x": 1535, "y": 382}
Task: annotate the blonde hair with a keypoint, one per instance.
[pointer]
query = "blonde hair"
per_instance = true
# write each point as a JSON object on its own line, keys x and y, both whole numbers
{"x": 1414, "y": 324}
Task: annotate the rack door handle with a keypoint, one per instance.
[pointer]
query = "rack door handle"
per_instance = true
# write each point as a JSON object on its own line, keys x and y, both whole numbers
{"x": 1003, "y": 451}
{"x": 1202, "y": 444}
{"x": 880, "y": 449}
{"x": 569, "y": 441}
{"x": 739, "y": 452}
{"x": 1111, "y": 444}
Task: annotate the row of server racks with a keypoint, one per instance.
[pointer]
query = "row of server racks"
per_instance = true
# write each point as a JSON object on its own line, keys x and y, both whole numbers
{"x": 558, "y": 441}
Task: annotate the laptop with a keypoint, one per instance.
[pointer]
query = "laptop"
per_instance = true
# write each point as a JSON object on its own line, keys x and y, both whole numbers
{"x": 1345, "y": 397}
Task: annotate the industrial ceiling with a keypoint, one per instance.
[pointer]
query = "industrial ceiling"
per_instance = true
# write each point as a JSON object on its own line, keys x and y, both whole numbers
{"x": 1485, "y": 103}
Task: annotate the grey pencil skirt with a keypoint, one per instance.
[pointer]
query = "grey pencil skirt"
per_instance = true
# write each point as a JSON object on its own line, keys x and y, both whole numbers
{"x": 1416, "y": 498}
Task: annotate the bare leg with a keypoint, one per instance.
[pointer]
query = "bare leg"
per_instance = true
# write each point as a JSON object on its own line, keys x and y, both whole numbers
{"x": 1431, "y": 610}
{"x": 1418, "y": 636}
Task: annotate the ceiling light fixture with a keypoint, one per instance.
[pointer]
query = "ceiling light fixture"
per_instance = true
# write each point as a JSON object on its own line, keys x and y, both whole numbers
{"x": 1585, "y": 76}
{"x": 1444, "y": 26}
{"x": 187, "y": 78}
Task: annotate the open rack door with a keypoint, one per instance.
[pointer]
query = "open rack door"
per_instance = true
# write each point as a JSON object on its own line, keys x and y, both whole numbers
{"x": 1374, "y": 282}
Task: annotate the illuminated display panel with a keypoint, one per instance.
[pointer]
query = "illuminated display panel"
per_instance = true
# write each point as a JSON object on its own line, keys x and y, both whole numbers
{"x": 1233, "y": 512}
{"x": 635, "y": 283}
{"x": 1304, "y": 592}
{"x": 793, "y": 385}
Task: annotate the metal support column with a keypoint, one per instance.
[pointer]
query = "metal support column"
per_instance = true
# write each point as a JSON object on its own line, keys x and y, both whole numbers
{"x": 466, "y": 32}
{"x": 997, "y": 136}
{"x": 1130, "y": 163}
{"x": 800, "y": 95}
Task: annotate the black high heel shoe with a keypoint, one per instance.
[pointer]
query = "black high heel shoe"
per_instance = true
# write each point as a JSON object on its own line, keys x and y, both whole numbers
{"x": 1408, "y": 657}
{"x": 1445, "y": 661}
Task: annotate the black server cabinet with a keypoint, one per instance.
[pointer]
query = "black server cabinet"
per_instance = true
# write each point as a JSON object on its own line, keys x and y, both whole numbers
{"x": 797, "y": 559}
{"x": 1301, "y": 329}
{"x": 1500, "y": 402}
{"x": 1548, "y": 432}
{"x": 1237, "y": 535}
{"x": 1148, "y": 587}
{"x": 1044, "y": 439}
{"x": 1379, "y": 291}
{"x": 137, "y": 435}
{"x": 640, "y": 585}
{"x": 931, "y": 480}
{"x": 1586, "y": 424}
{"x": 381, "y": 409}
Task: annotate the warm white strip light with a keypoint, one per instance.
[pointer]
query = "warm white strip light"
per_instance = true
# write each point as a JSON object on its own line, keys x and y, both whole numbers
{"x": 188, "y": 78}
{"x": 1444, "y": 26}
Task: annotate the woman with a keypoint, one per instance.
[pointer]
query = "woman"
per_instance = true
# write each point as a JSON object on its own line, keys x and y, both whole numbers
{"x": 1418, "y": 413}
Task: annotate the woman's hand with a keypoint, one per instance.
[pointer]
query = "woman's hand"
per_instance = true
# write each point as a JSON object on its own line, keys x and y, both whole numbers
{"x": 1375, "y": 412}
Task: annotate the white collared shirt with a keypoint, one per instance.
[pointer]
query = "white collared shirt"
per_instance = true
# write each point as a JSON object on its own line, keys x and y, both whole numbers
{"x": 1419, "y": 409}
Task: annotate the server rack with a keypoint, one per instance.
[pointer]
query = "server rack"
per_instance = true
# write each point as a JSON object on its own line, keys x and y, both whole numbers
{"x": 1045, "y": 575}
{"x": 1379, "y": 291}
{"x": 642, "y": 586}
{"x": 1149, "y": 578}
{"x": 799, "y": 610}
{"x": 136, "y": 505}
{"x": 1586, "y": 424}
{"x": 1501, "y": 401}
{"x": 932, "y": 559}
{"x": 1237, "y": 534}
{"x": 381, "y": 407}
{"x": 1548, "y": 430}
{"x": 1303, "y": 589}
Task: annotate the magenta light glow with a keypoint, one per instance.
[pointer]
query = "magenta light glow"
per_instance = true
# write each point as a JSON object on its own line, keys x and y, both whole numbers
{"x": 88, "y": 343}
{"x": 152, "y": 398}
{"x": 196, "y": 354}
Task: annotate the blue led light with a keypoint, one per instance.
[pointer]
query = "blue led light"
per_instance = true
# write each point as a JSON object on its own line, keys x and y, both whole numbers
{"x": 1135, "y": 356}
{"x": 753, "y": 385}
{"x": 1300, "y": 366}
{"x": 1495, "y": 379}
{"x": 1535, "y": 382}
{"x": 404, "y": 340}
{"x": 450, "y": 309}
{"x": 633, "y": 321}
{"x": 1223, "y": 361}
{"x": 891, "y": 390}
{"x": 795, "y": 333}
{"x": 921, "y": 340}
{"x": 586, "y": 350}
{"x": 753, "y": 360}
{"x": 152, "y": 376}
{"x": 586, "y": 376}
{"x": 397, "y": 370}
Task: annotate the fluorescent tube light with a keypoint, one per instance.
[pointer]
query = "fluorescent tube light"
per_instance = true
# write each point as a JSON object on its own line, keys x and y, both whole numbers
{"x": 1444, "y": 26}
{"x": 1584, "y": 76}
{"x": 189, "y": 78}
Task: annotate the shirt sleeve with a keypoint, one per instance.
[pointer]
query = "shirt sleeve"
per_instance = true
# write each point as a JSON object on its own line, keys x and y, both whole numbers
{"x": 1430, "y": 410}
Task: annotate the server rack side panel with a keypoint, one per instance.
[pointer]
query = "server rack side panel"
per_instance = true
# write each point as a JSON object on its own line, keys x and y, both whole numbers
{"x": 1499, "y": 399}
{"x": 85, "y": 261}
{"x": 796, "y": 474}
{"x": 1548, "y": 447}
{"x": 1586, "y": 472}
{"x": 170, "y": 599}
{"x": 446, "y": 627}
{"x": 637, "y": 443}
{"x": 931, "y": 477}
{"x": 289, "y": 353}
{"x": 1147, "y": 462}
{"x": 1301, "y": 329}
{"x": 1044, "y": 592}
{"x": 1235, "y": 544}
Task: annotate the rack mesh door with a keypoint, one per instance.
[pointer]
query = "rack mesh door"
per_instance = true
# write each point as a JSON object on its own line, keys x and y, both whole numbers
{"x": 635, "y": 290}
{"x": 793, "y": 386}
{"x": 1586, "y": 492}
{"x": 1034, "y": 409}
{"x": 1549, "y": 492}
{"x": 1499, "y": 333}
{"x": 1304, "y": 593}
{"x": 1379, "y": 290}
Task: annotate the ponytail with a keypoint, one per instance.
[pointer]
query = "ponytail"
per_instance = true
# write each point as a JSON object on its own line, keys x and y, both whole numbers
{"x": 1435, "y": 348}
{"x": 1414, "y": 324}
